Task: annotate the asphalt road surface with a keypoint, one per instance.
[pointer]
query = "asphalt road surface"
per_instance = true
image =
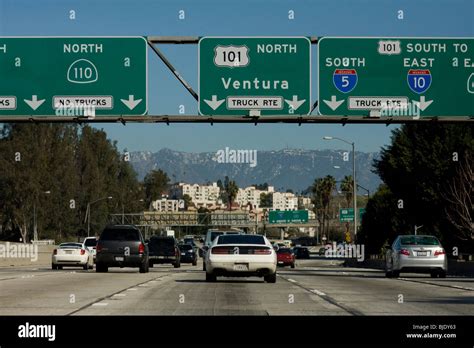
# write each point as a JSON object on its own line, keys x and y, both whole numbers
{"x": 314, "y": 287}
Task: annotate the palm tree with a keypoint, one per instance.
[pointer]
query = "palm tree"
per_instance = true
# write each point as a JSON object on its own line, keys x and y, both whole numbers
{"x": 231, "y": 190}
{"x": 347, "y": 186}
{"x": 322, "y": 190}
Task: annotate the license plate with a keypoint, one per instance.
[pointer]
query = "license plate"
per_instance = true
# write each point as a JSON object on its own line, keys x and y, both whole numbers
{"x": 119, "y": 258}
{"x": 242, "y": 267}
{"x": 280, "y": 261}
{"x": 68, "y": 251}
{"x": 422, "y": 253}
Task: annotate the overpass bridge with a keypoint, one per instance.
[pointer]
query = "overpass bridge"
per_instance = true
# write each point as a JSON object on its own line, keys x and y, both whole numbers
{"x": 160, "y": 220}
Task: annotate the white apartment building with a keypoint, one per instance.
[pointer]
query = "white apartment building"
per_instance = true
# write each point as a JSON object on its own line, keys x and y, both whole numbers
{"x": 201, "y": 195}
{"x": 167, "y": 205}
{"x": 285, "y": 201}
{"x": 250, "y": 195}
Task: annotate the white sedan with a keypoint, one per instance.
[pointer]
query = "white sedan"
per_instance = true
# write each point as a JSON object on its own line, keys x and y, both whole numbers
{"x": 72, "y": 254}
{"x": 241, "y": 255}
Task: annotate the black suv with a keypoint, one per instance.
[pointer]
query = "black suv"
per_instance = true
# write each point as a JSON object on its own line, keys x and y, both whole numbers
{"x": 121, "y": 246}
{"x": 164, "y": 250}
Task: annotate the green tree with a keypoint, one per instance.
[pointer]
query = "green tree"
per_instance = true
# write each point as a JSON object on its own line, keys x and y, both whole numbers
{"x": 322, "y": 190}
{"x": 420, "y": 167}
{"x": 156, "y": 184}
{"x": 266, "y": 200}
{"x": 231, "y": 190}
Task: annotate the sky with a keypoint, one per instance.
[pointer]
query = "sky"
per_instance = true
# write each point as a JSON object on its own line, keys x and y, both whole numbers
{"x": 422, "y": 18}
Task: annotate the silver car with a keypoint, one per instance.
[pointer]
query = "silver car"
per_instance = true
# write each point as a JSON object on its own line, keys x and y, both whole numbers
{"x": 416, "y": 254}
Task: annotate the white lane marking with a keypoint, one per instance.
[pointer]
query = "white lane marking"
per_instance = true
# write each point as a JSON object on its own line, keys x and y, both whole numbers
{"x": 100, "y": 304}
{"x": 143, "y": 285}
{"x": 132, "y": 289}
{"x": 119, "y": 295}
{"x": 292, "y": 280}
{"x": 317, "y": 292}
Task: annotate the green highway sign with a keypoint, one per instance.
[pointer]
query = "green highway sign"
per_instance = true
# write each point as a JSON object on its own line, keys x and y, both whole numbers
{"x": 73, "y": 76}
{"x": 347, "y": 214}
{"x": 414, "y": 77}
{"x": 254, "y": 76}
{"x": 287, "y": 216}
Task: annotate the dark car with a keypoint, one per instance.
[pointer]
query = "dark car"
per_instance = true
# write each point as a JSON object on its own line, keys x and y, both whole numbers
{"x": 301, "y": 252}
{"x": 285, "y": 257}
{"x": 121, "y": 246}
{"x": 188, "y": 254}
{"x": 164, "y": 250}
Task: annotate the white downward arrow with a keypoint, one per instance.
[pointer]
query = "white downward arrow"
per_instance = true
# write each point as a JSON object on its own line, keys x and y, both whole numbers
{"x": 295, "y": 103}
{"x": 334, "y": 103}
{"x": 422, "y": 104}
{"x": 131, "y": 102}
{"x": 34, "y": 103}
{"x": 214, "y": 103}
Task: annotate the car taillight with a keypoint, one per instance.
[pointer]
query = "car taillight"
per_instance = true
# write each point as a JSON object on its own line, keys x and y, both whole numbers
{"x": 262, "y": 251}
{"x": 439, "y": 252}
{"x": 219, "y": 250}
{"x": 141, "y": 248}
{"x": 55, "y": 251}
{"x": 83, "y": 251}
{"x": 404, "y": 252}
{"x": 98, "y": 249}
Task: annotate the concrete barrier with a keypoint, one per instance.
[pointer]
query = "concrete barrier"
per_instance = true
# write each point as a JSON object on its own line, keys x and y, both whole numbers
{"x": 19, "y": 254}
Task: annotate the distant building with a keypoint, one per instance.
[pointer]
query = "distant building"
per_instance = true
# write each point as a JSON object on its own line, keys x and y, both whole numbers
{"x": 285, "y": 201}
{"x": 305, "y": 203}
{"x": 201, "y": 195}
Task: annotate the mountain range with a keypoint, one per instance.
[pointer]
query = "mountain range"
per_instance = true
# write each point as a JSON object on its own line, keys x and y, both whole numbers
{"x": 294, "y": 169}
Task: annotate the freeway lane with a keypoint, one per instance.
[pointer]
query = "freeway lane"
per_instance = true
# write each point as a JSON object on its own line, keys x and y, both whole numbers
{"x": 315, "y": 287}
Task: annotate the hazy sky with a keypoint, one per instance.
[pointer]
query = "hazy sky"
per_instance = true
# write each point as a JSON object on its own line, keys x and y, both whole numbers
{"x": 435, "y": 18}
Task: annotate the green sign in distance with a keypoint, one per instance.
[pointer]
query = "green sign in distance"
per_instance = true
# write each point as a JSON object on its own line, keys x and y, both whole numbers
{"x": 254, "y": 76}
{"x": 68, "y": 76}
{"x": 288, "y": 216}
{"x": 423, "y": 77}
{"x": 347, "y": 214}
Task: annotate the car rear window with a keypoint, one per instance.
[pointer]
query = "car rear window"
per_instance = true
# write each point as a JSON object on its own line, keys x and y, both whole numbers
{"x": 284, "y": 251}
{"x": 70, "y": 246}
{"x": 120, "y": 235}
{"x": 90, "y": 242}
{"x": 185, "y": 247}
{"x": 215, "y": 234}
{"x": 419, "y": 240}
{"x": 162, "y": 241}
{"x": 240, "y": 239}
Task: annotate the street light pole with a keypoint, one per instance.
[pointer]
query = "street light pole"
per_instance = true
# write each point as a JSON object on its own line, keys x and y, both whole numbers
{"x": 354, "y": 184}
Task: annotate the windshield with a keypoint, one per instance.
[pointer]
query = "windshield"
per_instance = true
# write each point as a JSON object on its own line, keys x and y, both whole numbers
{"x": 240, "y": 239}
{"x": 419, "y": 240}
{"x": 70, "y": 246}
{"x": 90, "y": 242}
{"x": 120, "y": 235}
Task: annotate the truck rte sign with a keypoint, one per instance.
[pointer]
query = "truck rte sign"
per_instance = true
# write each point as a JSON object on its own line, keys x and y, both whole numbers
{"x": 413, "y": 77}
{"x": 254, "y": 76}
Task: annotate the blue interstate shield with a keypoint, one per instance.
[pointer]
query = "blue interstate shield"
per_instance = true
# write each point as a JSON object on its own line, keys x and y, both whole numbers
{"x": 419, "y": 80}
{"x": 345, "y": 80}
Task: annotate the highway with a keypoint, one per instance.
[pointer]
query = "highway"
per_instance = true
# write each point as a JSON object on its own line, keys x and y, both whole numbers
{"x": 314, "y": 287}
